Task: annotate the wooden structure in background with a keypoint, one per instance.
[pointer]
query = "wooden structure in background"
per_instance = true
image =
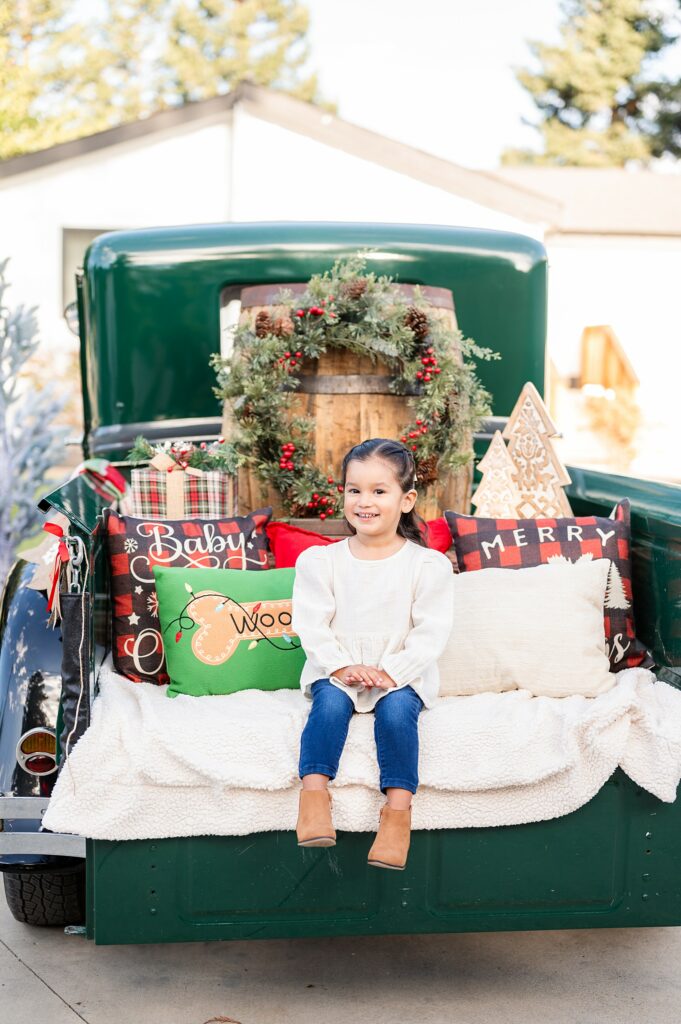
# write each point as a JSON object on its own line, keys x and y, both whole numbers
{"x": 604, "y": 362}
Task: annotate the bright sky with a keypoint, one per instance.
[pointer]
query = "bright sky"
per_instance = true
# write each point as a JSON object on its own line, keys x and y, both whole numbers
{"x": 437, "y": 74}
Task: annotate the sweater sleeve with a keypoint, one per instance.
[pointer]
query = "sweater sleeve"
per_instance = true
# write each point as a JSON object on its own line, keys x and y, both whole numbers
{"x": 432, "y": 617}
{"x": 313, "y": 608}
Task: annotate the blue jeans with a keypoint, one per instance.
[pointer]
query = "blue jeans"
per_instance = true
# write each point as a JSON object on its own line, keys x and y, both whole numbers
{"x": 395, "y": 731}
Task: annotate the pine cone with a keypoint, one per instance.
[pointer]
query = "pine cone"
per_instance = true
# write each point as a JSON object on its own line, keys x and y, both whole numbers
{"x": 426, "y": 471}
{"x": 417, "y": 321}
{"x": 283, "y": 327}
{"x": 263, "y": 324}
{"x": 298, "y": 510}
{"x": 354, "y": 289}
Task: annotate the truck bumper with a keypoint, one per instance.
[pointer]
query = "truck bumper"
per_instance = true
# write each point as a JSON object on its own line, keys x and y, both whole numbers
{"x": 23, "y": 843}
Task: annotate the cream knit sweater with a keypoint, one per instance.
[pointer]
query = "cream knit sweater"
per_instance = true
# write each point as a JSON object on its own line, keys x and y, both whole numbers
{"x": 394, "y": 613}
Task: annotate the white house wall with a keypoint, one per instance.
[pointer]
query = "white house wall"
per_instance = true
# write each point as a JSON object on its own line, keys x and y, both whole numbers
{"x": 178, "y": 178}
{"x": 281, "y": 175}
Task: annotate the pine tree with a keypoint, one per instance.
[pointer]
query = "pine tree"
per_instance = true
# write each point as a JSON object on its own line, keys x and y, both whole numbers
{"x": 216, "y": 44}
{"x": 29, "y": 442}
{"x": 591, "y": 90}
{"x": 63, "y": 77}
{"x": 659, "y": 116}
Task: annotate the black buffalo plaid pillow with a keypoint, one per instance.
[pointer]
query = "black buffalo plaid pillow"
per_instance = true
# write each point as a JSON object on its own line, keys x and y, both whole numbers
{"x": 136, "y": 545}
{"x": 519, "y": 543}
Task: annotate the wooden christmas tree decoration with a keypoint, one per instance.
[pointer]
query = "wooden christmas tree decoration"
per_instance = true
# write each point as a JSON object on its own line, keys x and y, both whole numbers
{"x": 497, "y": 496}
{"x": 540, "y": 475}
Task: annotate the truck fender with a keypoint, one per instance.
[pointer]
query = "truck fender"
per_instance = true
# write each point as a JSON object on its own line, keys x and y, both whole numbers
{"x": 30, "y": 689}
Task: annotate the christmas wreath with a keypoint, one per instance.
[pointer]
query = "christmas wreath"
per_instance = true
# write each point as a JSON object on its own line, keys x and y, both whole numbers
{"x": 350, "y": 308}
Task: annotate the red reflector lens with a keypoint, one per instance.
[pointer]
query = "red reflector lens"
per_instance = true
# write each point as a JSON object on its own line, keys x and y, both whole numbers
{"x": 40, "y": 763}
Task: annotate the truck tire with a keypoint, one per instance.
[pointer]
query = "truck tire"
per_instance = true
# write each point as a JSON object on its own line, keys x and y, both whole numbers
{"x": 47, "y": 898}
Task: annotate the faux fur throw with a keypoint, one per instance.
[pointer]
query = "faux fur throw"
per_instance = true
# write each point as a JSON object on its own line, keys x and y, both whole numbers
{"x": 149, "y": 767}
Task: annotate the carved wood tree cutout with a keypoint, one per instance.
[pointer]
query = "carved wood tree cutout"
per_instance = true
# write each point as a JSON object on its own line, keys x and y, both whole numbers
{"x": 497, "y": 496}
{"x": 540, "y": 474}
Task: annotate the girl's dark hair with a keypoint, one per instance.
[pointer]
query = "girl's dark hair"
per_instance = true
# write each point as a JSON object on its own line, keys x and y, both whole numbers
{"x": 400, "y": 458}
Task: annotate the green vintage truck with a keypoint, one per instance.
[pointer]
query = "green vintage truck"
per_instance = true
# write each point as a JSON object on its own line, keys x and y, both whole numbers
{"x": 149, "y": 313}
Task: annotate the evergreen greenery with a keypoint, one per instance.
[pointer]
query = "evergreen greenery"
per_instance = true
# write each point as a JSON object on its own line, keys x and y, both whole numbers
{"x": 64, "y": 75}
{"x": 599, "y": 105}
{"x": 220, "y": 456}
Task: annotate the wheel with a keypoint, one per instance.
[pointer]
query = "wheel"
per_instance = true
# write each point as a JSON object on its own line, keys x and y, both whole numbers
{"x": 47, "y": 898}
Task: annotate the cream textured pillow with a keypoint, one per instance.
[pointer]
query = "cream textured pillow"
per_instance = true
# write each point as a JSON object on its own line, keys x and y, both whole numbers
{"x": 538, "y": 629}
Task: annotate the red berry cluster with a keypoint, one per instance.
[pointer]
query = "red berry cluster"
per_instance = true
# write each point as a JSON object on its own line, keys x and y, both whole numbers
{"x": 326, "y": 502}
{"x": 292, "y": 357}
{"x": 429, "y": 362}
{"x": 413, "y": 435}
{"x": 315, "y": 311}
{"x": 286, "y": 457}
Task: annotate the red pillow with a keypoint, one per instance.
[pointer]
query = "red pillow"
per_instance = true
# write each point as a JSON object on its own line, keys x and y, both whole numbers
{"x": 287, "y": 542}
{"x": 439, "y": 535}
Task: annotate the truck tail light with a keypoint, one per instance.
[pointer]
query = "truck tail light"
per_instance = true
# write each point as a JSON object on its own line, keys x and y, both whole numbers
{"x": 37, "y": 751}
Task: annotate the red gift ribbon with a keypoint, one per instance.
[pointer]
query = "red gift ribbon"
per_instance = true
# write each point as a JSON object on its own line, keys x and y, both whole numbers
{"x": 62, "y": 556}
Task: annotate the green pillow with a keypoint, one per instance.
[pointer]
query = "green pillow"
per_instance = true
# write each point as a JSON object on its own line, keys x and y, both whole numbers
{"x": 227, "y": 629}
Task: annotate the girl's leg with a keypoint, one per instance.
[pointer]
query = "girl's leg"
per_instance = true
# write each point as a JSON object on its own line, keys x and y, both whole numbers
{"x": 397, "y": 743}
{"x": 324, "y": 735}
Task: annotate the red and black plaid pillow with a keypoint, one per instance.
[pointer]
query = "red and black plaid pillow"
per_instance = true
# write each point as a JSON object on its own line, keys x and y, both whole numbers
{"x": 136, "y": 545}
{"x": 519, "y": 543}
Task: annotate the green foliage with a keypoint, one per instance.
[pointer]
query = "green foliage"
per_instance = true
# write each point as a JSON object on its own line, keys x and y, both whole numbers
{"x": 216, "y": 44}
{"x": 593, "y": 91}
{"x": 349, "y": 307}
{"x": 66, "y": 72}
{"x": 220, "y": 455}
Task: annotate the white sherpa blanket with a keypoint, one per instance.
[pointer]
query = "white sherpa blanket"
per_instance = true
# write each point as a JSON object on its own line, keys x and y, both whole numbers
{"x": 150, "y": 767}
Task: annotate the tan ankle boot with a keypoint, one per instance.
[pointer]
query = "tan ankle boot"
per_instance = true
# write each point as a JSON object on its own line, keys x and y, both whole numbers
{"x": 391, "y": 845}
{"x": 315, "y": 827}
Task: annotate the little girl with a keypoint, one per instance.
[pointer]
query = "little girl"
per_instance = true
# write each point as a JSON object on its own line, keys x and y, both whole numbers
{"x": 373, "y": 613}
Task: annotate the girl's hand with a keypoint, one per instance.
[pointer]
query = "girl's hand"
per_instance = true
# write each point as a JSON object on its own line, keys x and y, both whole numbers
{"x": 365, "y": 675}
{"x": 357, "y": 675}
{"x": 386, "y": 681}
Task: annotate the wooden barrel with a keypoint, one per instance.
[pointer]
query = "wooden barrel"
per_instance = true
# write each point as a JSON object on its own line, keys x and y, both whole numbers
{"x": 348, "y": 399}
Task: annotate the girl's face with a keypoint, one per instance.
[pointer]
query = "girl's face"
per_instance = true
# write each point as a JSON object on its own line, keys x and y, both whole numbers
{"x": 373, "y": 500}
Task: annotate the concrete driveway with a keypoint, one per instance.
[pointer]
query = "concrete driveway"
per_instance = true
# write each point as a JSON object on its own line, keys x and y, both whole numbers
{"x": 608, "y": 976}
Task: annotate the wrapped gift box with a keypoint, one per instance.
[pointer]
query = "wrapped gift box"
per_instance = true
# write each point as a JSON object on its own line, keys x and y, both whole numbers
{"x": 169, "y": 491}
